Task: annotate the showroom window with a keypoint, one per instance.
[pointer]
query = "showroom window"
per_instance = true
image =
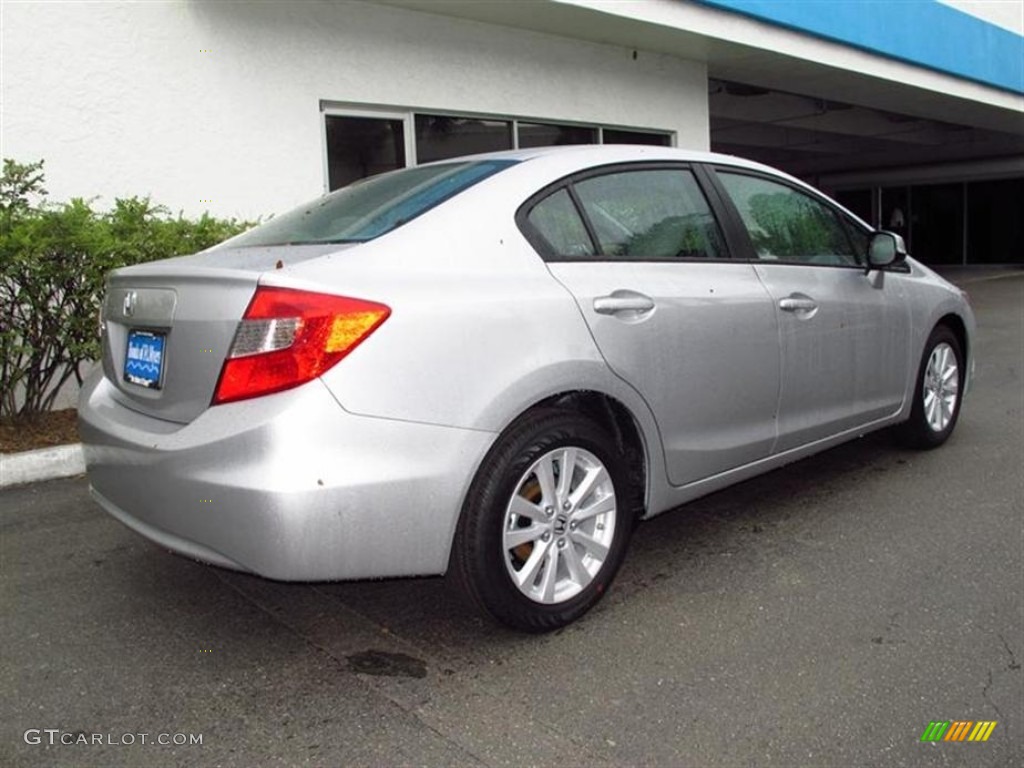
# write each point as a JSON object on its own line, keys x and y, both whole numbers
{"x": 366, "y": 141}
{"x": 968, "y": 222}
{"x": 551, "y": 135}
{"x": 439, "y": 137}
{"x": 615, "y": 136}
{"x": 358, "y": 147}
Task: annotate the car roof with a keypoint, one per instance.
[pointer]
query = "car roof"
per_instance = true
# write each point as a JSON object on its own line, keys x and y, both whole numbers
{"x": 581, "y": 157}
{"x": 600, "y": 154}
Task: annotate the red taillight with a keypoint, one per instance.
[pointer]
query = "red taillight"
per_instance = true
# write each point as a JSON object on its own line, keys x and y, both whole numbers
{"x": 288, "y": 337}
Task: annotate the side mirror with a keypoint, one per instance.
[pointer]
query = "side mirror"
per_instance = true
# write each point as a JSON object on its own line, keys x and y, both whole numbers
{"x": 886, "y": 249}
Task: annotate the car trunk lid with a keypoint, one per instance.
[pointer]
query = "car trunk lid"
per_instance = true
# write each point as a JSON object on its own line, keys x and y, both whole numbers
{"x": 168, "y": 325}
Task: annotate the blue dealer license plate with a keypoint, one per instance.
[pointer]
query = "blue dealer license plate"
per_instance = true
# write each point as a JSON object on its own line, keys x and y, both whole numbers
{"x": 144, "y": 361}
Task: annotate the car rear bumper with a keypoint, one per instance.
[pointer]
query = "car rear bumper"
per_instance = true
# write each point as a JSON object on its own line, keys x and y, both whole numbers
{"x": 289, "y": 486}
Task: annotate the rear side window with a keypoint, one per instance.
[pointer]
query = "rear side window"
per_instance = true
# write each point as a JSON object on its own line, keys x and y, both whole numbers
{"x": 642, "y": 214}
{"x": 371, "y": 207}
{"x": 787, "y": 225}
{"x": 556, "y": 219}
{"x": 650, "y": 214}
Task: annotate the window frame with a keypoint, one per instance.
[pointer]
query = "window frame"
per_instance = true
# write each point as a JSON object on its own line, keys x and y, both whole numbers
{"x": 746, "y": 245}
{"x": 513, "y": 131}
{"x": 407, "y": 115}
{"x": 568, "y": 182}
{"x": 366, "y": 113}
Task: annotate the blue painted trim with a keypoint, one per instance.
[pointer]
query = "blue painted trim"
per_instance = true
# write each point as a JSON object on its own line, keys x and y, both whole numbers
{"x": 922, "y": 32}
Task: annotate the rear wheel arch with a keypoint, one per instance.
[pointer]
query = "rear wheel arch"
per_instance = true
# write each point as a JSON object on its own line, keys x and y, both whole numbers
{"x": 547, "y": 519}
{"x": 543, "y": 589}
{"x": 618, "y": 421}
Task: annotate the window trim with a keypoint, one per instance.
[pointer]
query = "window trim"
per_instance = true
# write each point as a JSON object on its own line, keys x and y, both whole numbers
{"x": 746, "y": 245}
{"x": 568, "y": 182}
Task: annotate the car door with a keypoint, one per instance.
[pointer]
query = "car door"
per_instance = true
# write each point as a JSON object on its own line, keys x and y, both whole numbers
{"x": 844, "y": 331}
{"x": 693, "y": 331}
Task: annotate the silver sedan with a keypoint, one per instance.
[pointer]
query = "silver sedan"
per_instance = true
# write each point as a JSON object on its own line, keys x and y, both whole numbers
{"x": 494, "y": 366}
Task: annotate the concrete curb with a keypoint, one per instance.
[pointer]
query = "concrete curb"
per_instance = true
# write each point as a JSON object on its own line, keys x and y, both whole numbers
{"x": 41, "y": 464}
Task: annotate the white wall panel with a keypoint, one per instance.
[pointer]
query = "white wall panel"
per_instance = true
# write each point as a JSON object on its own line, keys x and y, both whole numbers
{"x": 208, "y": 105}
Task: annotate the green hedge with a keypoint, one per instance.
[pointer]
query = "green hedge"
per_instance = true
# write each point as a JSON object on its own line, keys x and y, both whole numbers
{"x": 53, "y": 260}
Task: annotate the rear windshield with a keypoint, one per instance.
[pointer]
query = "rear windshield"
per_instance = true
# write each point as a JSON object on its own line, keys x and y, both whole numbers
{"x": 370, "y": 207}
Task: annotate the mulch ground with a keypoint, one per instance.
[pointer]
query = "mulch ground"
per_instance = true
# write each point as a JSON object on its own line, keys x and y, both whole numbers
{"x": 48, "y": 429}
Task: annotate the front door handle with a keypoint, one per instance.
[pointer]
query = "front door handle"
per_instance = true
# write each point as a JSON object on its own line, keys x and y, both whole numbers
{"x": 613, "y": 305}
{"x": 795, "y": 304}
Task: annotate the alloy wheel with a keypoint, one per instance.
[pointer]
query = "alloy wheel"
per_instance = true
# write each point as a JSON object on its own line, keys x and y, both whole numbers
{"x": 559, "y": 525}
{"x": 941, "y": 387}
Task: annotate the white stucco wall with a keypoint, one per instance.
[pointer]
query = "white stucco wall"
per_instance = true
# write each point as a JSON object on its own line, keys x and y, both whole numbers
{"x": 216, "y": 106}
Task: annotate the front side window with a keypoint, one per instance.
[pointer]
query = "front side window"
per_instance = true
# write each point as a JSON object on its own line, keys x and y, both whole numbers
{"x": 650, "y": 214}
{"x": 860, "y": 238}
{"x": 787, "y": 225}
{"x": 370, "y": 208}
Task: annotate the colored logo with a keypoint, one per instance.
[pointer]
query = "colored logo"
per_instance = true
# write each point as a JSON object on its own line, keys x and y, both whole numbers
{"x": 958, "y": 730}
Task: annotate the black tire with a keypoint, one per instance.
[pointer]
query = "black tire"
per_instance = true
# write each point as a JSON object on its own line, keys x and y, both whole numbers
{"x": 481, "y": 564}
{"x": 917, "y": 431}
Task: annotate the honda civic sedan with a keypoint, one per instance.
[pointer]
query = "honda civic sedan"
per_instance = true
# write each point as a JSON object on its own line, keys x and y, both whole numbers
{"x": 494, "y": 366}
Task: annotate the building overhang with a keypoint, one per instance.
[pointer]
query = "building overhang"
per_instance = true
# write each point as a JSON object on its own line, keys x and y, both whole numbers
{"x": 740, "y": 48}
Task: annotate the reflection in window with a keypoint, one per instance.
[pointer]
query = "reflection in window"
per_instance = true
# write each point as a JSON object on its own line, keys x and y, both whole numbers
{"x": 859, "y": 237}
{"x": 439, "y": 137}
{"x": 558, "y": 222}
{"x": 653, "y": 214}
{"x": 370, "y": 208}
{"x": 358, "y": 147}
{"x": 544, "y": 135}
{"x": 787, "y": 225}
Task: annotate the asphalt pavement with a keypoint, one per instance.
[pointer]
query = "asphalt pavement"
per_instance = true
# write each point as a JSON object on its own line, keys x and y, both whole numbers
{"x": 821, "y": 615}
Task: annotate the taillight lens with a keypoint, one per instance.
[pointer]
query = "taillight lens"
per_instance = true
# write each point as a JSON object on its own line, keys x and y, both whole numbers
{"x": 288, "y": 337}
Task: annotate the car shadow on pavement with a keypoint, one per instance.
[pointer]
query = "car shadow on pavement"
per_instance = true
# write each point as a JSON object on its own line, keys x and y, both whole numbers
{"x": 742, "y": 524}
{"x": 728, "y": 537}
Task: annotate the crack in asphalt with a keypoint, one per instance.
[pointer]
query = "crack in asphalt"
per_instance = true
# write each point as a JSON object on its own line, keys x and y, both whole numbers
{"x": 343, "y": 661}
{"x": 379, "y": 687}
{"x": 1014, "y": 664}
{"x": 984, "y": 695}
{"x": 579, "y": 748}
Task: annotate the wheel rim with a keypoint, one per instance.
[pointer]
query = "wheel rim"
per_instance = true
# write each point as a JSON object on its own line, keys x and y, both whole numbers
{"x": 941, "y": 387}
{"x": 559, "y": 525}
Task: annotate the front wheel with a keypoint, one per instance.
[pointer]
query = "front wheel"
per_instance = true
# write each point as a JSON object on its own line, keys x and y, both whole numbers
{"x": 546, "y": 523}
{"x": 938, "y": 393}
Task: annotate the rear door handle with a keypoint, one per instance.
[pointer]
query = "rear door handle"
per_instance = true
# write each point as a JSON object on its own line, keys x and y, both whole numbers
{"x": 613, "y": 305}
{"x": 792, "y": 304}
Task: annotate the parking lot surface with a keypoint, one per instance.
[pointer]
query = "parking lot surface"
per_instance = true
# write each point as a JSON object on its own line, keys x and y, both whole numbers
{"x": 822, "y": 615}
